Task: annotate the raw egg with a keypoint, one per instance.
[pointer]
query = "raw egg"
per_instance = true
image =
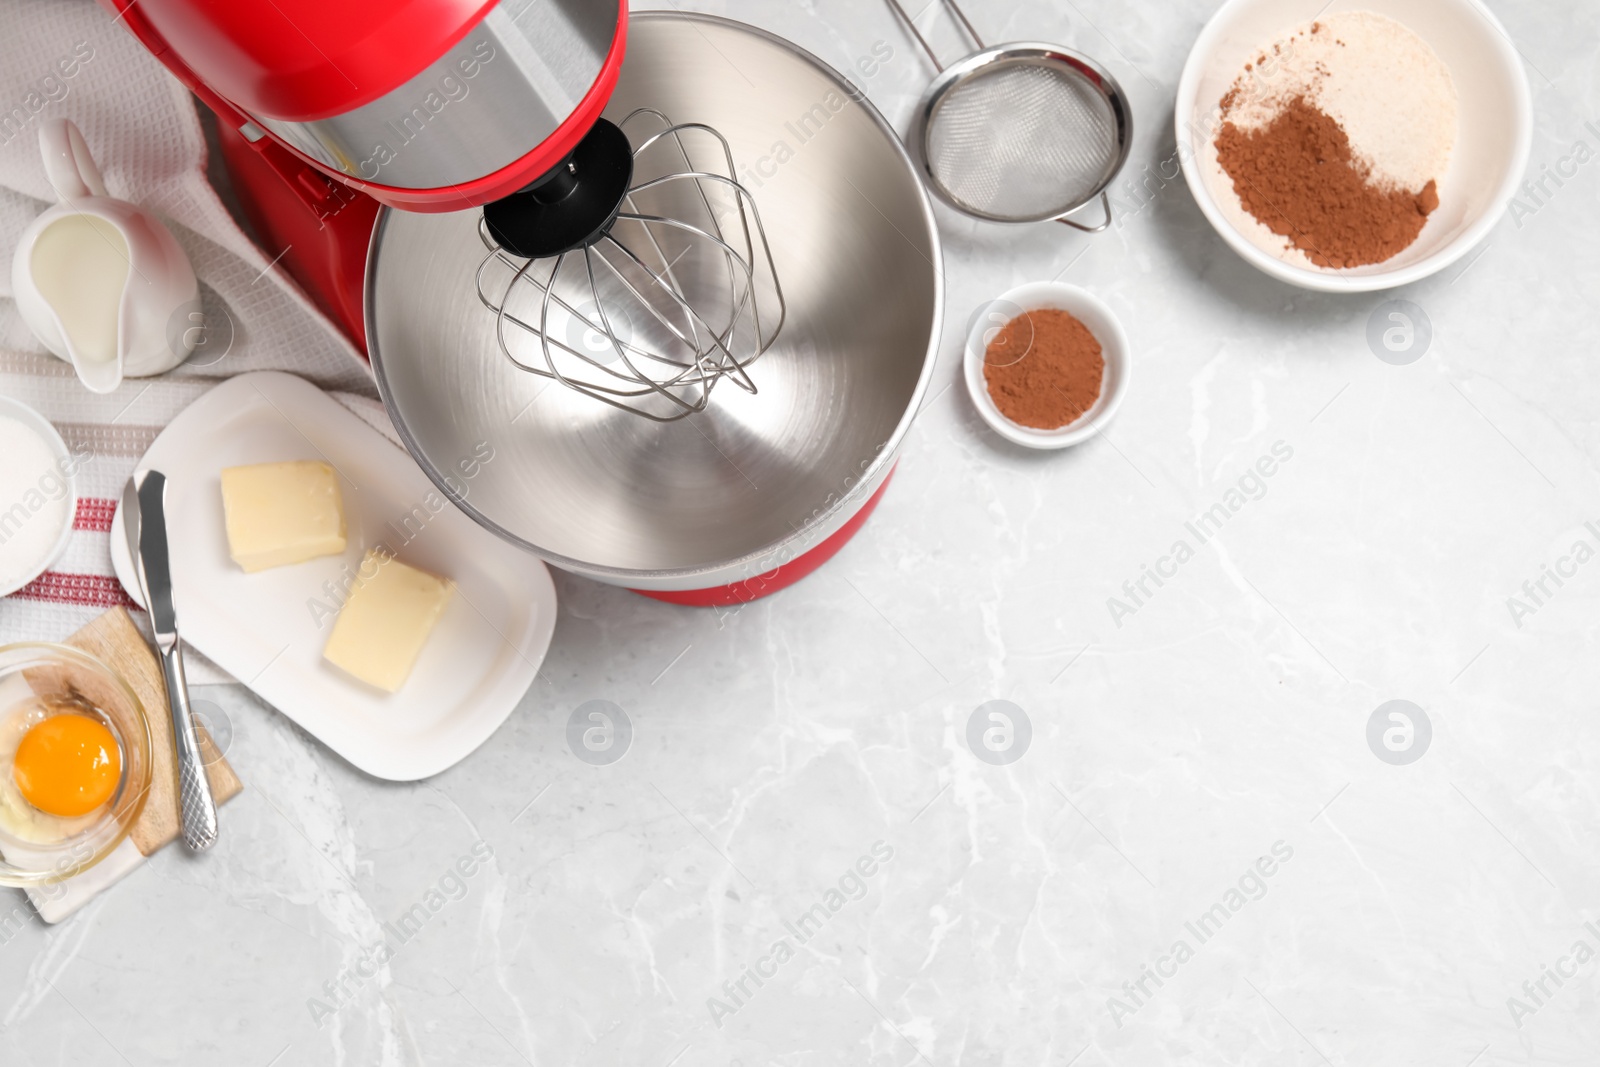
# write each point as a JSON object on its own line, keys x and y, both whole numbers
{"x": 67, "y": 765}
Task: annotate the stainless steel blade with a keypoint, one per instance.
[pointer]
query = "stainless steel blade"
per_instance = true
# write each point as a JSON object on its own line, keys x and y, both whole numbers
{"x": 155, "y": 564}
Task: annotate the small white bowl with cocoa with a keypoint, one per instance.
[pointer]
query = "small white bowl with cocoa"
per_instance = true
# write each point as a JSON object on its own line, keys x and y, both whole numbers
{"x": 1353, "y": 146}
{"x": 1047, "y": 364}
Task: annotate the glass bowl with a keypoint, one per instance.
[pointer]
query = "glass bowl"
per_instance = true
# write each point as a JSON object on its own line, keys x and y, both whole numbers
{"x": 40, "y": 680}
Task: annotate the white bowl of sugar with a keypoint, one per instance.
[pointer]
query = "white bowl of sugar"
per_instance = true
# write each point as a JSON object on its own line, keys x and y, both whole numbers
{"x": 37, "y": 496}
{"x": 1393, "y": 93}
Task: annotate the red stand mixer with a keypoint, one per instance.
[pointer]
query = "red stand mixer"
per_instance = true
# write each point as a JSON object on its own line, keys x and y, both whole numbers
{"x": 330, "y": 113}
{"x": 329, "y": 110}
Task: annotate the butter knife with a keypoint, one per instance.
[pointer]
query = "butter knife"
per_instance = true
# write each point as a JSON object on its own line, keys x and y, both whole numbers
{"x": 144, "y": 520}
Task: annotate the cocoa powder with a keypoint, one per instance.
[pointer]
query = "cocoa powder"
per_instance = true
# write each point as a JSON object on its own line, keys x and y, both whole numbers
{"x": 1043, "y": 369}
{"x": 1298, "y": 176}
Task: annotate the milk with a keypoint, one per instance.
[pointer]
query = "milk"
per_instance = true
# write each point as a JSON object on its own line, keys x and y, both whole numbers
{"x": 80, "y": 267}
{"x": 101, "y": 282}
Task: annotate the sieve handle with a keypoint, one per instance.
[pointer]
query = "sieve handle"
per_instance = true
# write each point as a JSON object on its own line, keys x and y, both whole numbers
{"x": 955, "y": 9}
{"x": 1105, "y": 205}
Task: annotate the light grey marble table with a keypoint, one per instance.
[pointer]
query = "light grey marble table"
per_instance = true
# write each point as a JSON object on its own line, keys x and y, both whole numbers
{"x": 812, "y": 750}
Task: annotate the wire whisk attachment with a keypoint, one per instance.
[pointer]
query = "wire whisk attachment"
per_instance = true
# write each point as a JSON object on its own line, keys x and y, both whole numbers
{"x": 651, "y": 311}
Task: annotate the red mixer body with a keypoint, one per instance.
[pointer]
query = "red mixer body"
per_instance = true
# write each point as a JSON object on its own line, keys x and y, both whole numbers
{"x": 320, "y": 228}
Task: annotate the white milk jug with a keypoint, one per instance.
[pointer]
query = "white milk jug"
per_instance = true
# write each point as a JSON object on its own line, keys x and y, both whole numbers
{"x": 101, "y": 282}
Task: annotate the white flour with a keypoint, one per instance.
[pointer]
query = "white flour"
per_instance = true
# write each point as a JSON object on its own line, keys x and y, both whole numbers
{"x": 1391, "y": 94}
{"x": 35, "y": 502}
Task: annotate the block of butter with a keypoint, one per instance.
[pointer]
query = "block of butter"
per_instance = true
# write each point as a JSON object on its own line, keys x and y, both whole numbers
{"x": 387, "y": 619}
{"x": 281, "y": 513}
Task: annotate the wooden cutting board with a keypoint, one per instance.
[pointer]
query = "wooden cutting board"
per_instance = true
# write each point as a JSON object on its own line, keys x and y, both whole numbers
{"x": 116, "y": 641}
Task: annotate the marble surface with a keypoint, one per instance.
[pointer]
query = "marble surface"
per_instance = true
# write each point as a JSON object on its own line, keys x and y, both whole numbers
{"x": 529, "y": 906}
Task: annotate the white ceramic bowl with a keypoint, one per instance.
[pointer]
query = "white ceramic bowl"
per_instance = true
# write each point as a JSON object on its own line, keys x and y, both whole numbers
{"x": 1492, "y": 141}
{"x": 40, "y": 425}
{"x": 1087, "y": 309}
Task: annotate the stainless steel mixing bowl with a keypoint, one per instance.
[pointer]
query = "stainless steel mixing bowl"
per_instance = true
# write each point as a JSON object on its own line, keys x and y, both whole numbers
{"x": 756, "y": 480}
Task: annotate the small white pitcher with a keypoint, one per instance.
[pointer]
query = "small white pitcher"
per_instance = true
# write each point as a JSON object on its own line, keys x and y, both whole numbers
{"x": 100, "y": 281}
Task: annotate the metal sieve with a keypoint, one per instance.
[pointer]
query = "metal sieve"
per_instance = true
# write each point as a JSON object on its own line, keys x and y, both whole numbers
{"x": 1020, "y": 132}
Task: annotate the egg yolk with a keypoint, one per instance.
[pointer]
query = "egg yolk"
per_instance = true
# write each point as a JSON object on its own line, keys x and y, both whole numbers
{"x": 67, "y": 765}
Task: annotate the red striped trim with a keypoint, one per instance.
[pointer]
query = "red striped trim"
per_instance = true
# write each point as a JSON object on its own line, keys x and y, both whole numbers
{"x": 94, "y": 513}
{"x": 88, "y": 590}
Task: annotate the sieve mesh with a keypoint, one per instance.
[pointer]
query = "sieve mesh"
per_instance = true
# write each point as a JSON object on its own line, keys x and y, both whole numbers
{"x": 1024, "y": 139}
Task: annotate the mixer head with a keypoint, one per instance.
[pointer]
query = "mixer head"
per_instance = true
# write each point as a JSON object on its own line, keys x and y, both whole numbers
{"x": 636, "y": 272}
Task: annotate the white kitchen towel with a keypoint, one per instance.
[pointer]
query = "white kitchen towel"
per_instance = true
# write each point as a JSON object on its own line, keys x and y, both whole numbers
{"x": 70, "y": 59}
